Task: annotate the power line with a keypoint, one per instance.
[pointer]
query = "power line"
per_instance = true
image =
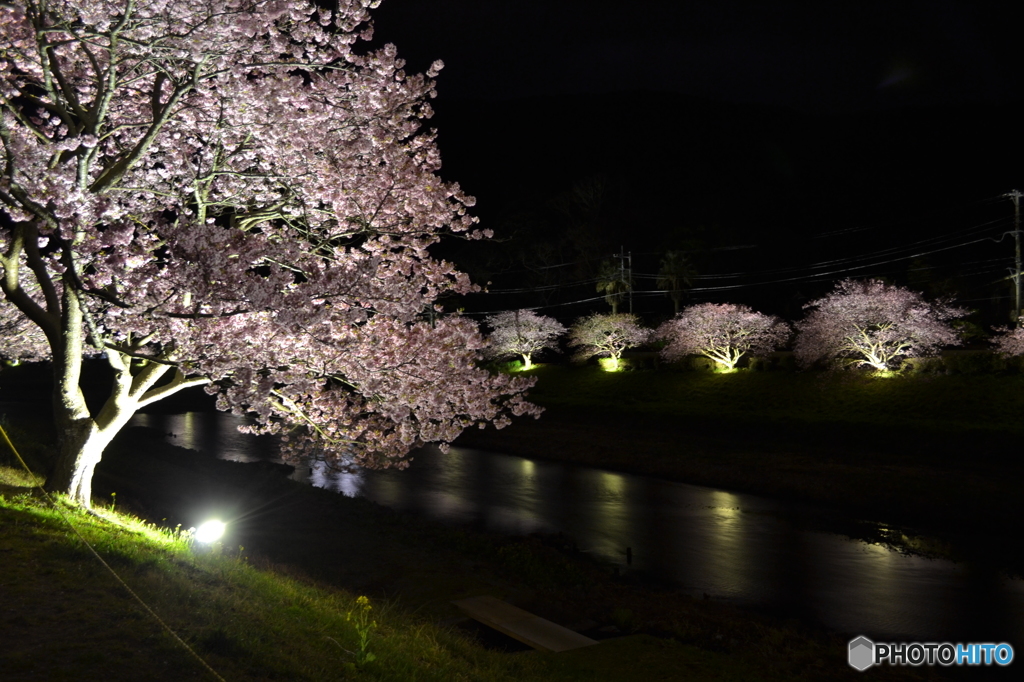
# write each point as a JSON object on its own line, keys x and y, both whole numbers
{"x": 824, "y": 270}
{"x": 852, "y": 259}
{"x": 826, "y": 275}
{"x": 546, "y": 287}
{"x": 853, "y": 263}
{"x": 849, "y": 230}
{"x": 540, "y": 307}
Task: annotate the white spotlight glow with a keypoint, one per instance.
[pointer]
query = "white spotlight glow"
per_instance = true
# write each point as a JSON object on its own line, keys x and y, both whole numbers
{"x": 210, "y": 531}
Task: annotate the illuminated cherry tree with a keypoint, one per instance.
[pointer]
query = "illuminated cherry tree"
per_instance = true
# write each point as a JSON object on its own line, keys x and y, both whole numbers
{"x": 724, "y": 332}
{"x": 1010, "y": 341}
{"x": 606, "y": 336}
{"x": 874, "y": 324}
{"x": 522, "y": 333}
{"x": 229, "y": 194}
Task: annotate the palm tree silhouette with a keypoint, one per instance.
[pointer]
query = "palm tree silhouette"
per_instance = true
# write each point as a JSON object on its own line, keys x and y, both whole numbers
{"x": 675, "y": 276}
{"x": 613, "y": 282}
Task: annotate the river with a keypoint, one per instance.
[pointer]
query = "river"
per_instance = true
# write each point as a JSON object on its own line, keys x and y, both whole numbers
{"x": 748, "y": 550}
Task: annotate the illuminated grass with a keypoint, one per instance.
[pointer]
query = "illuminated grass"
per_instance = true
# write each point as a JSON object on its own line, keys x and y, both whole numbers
{"x": 18, "y": 478}
{"x": 69, "y": 619}
{"x": 929, "y": 401}
{"x": 73, "y": 618}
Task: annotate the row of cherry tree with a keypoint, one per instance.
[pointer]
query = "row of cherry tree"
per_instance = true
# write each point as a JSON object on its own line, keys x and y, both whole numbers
{"x": 863, "y": 323}
{"x": 242, "y": 195}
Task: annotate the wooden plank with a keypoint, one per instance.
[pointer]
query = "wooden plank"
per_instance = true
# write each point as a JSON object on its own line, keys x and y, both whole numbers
{"x": 522, "y": 625}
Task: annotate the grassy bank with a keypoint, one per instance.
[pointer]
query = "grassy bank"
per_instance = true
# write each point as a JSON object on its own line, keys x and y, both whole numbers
{"x": 933, "y": 452}
{"x": 277, "y": 609}
{"x": 67, "y": 617}
{"x": 941, "y": 402}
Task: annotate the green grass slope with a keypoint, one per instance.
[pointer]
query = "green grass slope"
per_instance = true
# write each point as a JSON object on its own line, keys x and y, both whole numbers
{"x": 64, "y": 616}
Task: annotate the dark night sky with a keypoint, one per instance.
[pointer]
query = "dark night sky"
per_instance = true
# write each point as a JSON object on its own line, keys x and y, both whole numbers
{"x": 811, "y": 132}
{"x": 812, "y": 56}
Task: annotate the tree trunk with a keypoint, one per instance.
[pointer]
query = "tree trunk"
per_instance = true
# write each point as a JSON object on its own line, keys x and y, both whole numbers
{"x": 81, "y": 446}
{"x": 82, "y": 436}
{"x": 75, "y": 426}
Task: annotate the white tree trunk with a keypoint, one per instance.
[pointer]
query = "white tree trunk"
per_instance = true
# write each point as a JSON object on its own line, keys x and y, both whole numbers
{"x": 77, "y": 464}
{"x": 82, "y": 436}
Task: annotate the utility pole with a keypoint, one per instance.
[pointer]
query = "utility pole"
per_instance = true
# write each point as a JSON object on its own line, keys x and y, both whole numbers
{"x": 626, "y": 273}
{"x": 629, "y": 282}
{"x": 1015, "y": 196}
{"x": 622, "y": 280}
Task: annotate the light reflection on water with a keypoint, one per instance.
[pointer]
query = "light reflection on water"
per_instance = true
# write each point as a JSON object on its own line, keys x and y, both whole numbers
{"x": 733, "y": 546}
{"x": 213, "y": 432}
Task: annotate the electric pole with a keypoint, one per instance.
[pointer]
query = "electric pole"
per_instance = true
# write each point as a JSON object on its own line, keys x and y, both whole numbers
{"x": 626, "y": 273}
{"x": 629, "y": 283}
{"x": 1015, "y": 196}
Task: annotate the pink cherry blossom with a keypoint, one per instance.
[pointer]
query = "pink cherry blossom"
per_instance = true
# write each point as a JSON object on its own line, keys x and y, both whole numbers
{"x": 230, "y": 194}
{"x": 522, "y": 333}
{"x": 724, "y": 332}
{"x": 874, "y": 324}
{"x": 606, "y": 335}
{"x": 1010, "y": 341}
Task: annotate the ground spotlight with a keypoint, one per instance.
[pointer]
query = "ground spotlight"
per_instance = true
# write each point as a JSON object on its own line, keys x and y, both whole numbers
{"x": 209, "y": 531}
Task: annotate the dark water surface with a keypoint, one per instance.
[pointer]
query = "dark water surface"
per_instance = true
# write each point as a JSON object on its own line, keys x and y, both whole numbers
{"x": 745, "y": 549}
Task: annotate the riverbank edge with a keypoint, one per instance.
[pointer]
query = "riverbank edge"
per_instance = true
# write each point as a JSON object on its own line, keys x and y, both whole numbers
{"x": 542, "y": 574}
{"x": 673, "y": 635}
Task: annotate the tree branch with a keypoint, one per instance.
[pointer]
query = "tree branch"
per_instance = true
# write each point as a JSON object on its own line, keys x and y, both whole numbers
{"x": 117, "y": 171}
{"x": 178, "y": 383}
{"x": 16, "y": 294}
{"x": 35, "y": 263}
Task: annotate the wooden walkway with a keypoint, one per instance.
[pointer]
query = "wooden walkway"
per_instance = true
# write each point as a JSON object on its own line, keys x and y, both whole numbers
{"x": 522, "y": 625}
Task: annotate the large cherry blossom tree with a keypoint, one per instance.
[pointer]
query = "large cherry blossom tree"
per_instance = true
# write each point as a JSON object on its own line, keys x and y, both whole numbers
{"x": 874, "y": 324}
{"x": 606, "y": 336}
{"x": 522, "y": 333}
{"x": 230, "y": 194}
{"x": 724, "y": 332}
